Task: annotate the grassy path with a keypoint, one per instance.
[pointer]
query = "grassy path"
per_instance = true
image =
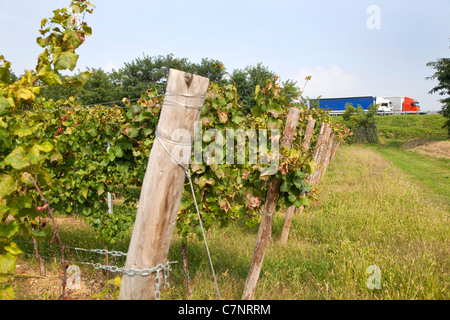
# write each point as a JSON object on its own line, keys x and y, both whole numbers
{"x": 432, "y": 172}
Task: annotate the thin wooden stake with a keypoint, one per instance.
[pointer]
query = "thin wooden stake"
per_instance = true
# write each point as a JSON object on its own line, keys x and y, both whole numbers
{"x": 316, "y": 156}
{"x": 326, "y": 160}
{"x": 265, "y": 226}
{"x": 291, "y": 210}
{"x": 38, "y": 257}
{"x": 184, "y": 257}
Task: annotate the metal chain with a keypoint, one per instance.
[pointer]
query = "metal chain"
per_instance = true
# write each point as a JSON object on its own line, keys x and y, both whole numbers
{"x": 144, "y": 273}
{"x": 130, "y": 272}
{"x": 103, "y": 251}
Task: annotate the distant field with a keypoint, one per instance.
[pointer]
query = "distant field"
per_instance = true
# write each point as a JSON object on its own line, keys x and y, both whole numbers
{"x": 406, "y": 127}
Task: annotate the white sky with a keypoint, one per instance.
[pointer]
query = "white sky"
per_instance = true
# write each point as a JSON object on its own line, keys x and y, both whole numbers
{"x": 329, "y": 40}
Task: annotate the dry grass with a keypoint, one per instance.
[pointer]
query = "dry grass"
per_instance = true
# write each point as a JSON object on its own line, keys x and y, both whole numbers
{"x": 439, "y": 149}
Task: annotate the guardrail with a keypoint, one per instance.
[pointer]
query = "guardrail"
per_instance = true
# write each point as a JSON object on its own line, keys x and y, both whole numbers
{"x": 388, "y": 113}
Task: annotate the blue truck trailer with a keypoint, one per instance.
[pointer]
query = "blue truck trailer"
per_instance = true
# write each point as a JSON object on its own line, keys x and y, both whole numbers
{"x": 338, "y": 104}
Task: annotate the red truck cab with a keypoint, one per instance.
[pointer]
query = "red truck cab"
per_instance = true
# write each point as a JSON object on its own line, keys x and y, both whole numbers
{"x": 410, "y": 105}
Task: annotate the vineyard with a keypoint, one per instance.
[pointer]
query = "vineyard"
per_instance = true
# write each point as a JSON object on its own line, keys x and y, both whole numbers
{"x": 62, "y": 158}
{"x": 205, "y": 189}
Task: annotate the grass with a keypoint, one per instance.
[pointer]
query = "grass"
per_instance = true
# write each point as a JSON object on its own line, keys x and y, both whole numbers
{"x": 369, "y": 213}
{"x": 432, "y": 172}
{"x": 407, "y": 127}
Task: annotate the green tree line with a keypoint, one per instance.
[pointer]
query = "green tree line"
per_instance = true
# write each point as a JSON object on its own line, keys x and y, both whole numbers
{"x": 151, "y": 72}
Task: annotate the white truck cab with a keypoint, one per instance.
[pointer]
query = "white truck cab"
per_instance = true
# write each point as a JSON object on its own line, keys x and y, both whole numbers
{"x": 385, "y": 104}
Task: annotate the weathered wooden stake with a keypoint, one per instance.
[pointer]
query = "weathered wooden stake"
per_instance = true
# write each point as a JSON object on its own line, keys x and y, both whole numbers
{"x": 184, "y": 257}
{"x": 265, "y": 226}
{"x": 326, "y": 160}
{"x": 38, "y": 257}
{"x": 291, "y": 210}
{"x": 321, "y": 155}
{"x": 163, "y": 184}
{"x": 320, "y": 140}
{"x": 334, "y": 150}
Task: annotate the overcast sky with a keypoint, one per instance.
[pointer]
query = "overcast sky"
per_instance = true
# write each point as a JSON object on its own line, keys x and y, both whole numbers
{"x": 349, "y": 47}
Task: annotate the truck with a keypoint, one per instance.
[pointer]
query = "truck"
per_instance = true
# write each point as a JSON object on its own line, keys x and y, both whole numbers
{"x": 337, "y": 105}
{"x": 404, "y": 104}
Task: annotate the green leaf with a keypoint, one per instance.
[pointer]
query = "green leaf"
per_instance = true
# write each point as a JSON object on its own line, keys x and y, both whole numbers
{"x": 308, "y": 187}
{"x": 311, "y": 167}
{"x": 133, "y": 132}
{"x": 84, "y": 192}
{"x": 66, "y": 60}
{"x": 81, "y": 79}
{"x": 13, "y": 248}
{"x": 7, "y": 293}
{"x": 118, "y": 152}
{"x": 34, "y": 156}
{"x": 50, "y": 77}
{"x": 292, "y": 197}
{"x": 298, "y": 182}
{"x": 7, "y": 185}
{"x": 17, "y": 159}
{"x": 285, "y": 186}
{"x": 5, "y": 73}
{"x": 23, "y": 131}
{"x": 71, "y": 37}
{"x": 7, "y": 263}
{"x": 257, "y": 89}
{"x": 87, "y": 30}
{"x": 43, "y": 22}
{"x": 238, "y": 117}
{"x": 38, "y": 234}
{"x": 45, "y": 146}
{"x": 25, "y": 94}
{"x": 9, "y": 229}
{"x": 100, "y": 191}
{"x": 93, "y": 132}
{"x": 301, "y": 201}
{"x": 5, "y": 105}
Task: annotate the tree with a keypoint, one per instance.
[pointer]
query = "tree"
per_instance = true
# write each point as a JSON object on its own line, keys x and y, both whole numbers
{"x": 361, "y": 123}
{"x": 141, "y": 74}
{"x": 99, "y": 89}
{"x": 442, "y": 74}
{"x": 247, "y": 79}
{"x": 251, "y": 76}
{"x": 212, "y": 69}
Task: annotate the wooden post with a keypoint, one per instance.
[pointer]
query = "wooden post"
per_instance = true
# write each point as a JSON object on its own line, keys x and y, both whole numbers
{"x": 265, "y": 226}
{"x": 335, "y": 149}
{"x": 291, "y": 210}
{"x": 308, "y": 134}
{"x": 163, "y": 185}
{"x": 321, "y": 155}
{"x": 316, "y": 152}
{"x": 326, "y": 160}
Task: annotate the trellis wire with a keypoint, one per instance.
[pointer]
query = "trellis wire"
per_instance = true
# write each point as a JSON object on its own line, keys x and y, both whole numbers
{"x": 188, "y": 175}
